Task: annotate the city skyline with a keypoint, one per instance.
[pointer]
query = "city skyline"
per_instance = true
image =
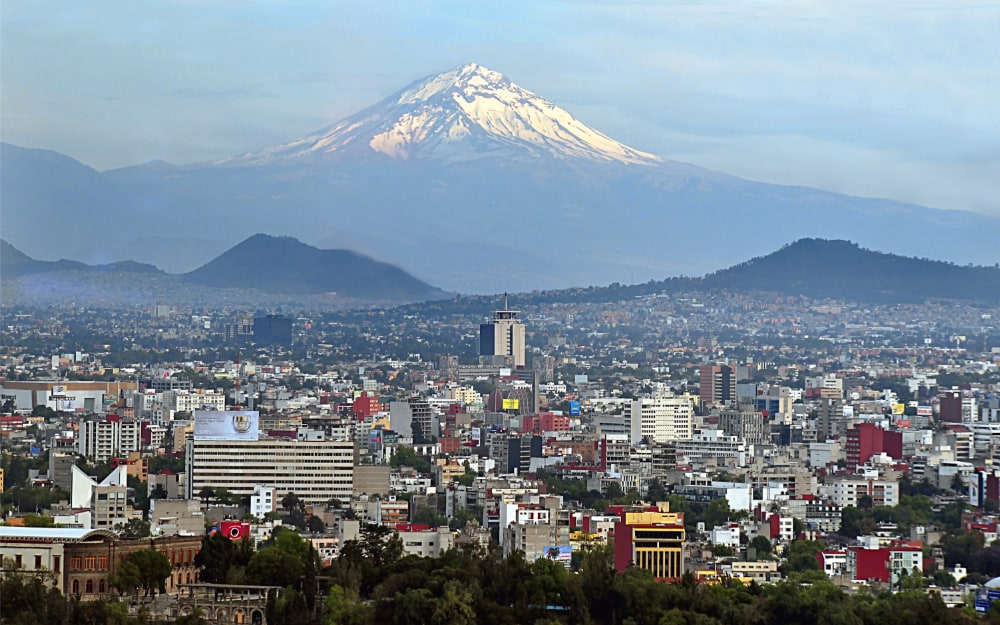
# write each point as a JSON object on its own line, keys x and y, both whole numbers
{"x": 883, "y": 100}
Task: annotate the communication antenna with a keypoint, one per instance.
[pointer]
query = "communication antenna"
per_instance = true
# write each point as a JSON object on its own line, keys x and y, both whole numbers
{"x": 236, "y": 388}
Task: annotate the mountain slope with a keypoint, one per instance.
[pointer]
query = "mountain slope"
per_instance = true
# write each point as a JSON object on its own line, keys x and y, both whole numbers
{"x": 468, "y": 113}
{"x": 470, "y": 179}
{"x": 285, "y": 265}
{"x": 843, "y": 270}
{"x": 14, "y": 263}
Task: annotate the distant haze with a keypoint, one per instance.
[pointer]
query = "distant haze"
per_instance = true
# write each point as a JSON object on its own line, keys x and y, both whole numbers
{"x": 891, "y": 99}
{"x": 467, "y": 181}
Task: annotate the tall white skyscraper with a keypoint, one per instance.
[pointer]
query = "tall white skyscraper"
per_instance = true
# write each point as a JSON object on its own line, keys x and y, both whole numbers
{"x": 503, "y": 335}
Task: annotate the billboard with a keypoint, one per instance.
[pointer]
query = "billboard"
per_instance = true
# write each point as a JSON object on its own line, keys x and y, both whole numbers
{"x": 559, "y": 553}
{"x": 898, "y": 409}
{"x": 985, "y": 598}
{"x": 925, "y": 411}
{"x": 574, "y": 409}
{"x": 226, "y": 425}
{"x": 511, "y": 404}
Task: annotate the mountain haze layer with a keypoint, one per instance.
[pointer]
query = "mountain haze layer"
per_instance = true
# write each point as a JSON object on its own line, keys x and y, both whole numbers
{"x": 470, "y": 181}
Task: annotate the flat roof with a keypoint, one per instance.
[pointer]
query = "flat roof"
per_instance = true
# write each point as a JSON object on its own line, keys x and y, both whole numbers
{"x": 65, "y": 534}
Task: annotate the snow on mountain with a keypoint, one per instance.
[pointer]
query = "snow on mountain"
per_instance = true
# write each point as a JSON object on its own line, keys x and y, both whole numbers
{"x": 465, "y": 114}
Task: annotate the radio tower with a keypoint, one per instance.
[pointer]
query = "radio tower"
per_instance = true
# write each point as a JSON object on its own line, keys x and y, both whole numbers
{"x": 236, "y": 388}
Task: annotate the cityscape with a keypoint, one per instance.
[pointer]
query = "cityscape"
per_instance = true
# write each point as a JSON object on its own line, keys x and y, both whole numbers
{"x": 710, "y": 436}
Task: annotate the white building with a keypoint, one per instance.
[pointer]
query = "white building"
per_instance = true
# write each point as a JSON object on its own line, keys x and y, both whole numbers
{"x": 262, "y": 501}
{"x": 708, "y": 445}
{"x": 661, "y": 418}
{"x": 846, "y": 490}
{"x": 316, "y": 471}
{"x": 727, "y": 535}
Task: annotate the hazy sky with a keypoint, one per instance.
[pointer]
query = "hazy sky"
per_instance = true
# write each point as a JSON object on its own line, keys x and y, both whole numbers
{"x": 882, "y": 98}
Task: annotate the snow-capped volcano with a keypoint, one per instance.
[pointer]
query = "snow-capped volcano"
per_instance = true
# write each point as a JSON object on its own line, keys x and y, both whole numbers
{"x": 464, "y": 114}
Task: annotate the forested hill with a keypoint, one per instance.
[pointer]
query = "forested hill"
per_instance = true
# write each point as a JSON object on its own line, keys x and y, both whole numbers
{"x": 815, "y": 268}
{"x": 843, "y": 270}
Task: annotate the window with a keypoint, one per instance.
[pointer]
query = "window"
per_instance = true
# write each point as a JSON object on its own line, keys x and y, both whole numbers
{"x": 102, "y": 563}
{"x": 55, "y": 564}
{"x": 38, "y": 562}
{"x": 90, "y": 586}
{"x": 75, "y": 564}
{"x": 17, "y": 561}
{"x": 76, "y": 586}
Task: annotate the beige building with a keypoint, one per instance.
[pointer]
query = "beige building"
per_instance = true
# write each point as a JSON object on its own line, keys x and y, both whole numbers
{"x": 316, "y": 471}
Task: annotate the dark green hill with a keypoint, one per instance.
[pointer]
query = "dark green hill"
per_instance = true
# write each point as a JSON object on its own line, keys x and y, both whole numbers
{"x": 286, "y": 265}
{"x": 843, "y": 270}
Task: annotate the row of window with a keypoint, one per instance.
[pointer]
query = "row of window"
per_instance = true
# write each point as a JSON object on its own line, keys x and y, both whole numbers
{"x": 19, "y": 562}
{"x": 88, "y": 563}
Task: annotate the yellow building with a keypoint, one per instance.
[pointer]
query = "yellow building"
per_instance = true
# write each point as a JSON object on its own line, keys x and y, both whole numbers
{"x": 651, "y": 538}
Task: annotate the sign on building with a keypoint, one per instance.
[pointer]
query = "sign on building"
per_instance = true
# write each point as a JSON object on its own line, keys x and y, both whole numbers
{"x": 226, "y": 425}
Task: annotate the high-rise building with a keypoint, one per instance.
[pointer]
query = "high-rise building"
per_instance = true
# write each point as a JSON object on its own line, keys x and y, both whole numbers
{"x": 424, "y": 423}
{"x": 717, "y": 385}
{"x": 272, "y": 330}
{"x": 503, "y": 336}
{"x": 660, "y": 419}
{"x": 745, "y": 423}
{"x": 951, "y": 406}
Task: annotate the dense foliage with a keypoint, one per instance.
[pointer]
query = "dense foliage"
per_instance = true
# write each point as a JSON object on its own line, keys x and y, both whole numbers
{"x": 371, "y": 584}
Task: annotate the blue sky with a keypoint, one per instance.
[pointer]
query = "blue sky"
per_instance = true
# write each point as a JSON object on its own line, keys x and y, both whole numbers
{"x": 889, "y": 99}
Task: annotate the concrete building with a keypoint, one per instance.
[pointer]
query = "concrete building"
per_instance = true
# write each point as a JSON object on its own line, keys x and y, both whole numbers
{"x": 717, "y": 385}
{"x": 745, "y": 423}
{"x": 846, "y": 490}
{"x": 262, "y": 501}
{"x": 316, "y": 471}
{"x": 64, "y": 395}
{"x": 651, "y": 539}
{"x": 503, "y": 338}
{"x": 660, "y": 419}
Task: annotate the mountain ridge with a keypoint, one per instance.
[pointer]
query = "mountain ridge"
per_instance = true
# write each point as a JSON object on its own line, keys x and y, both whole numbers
{"x": 482, "y": 213}
{"x": 307, "y": 269}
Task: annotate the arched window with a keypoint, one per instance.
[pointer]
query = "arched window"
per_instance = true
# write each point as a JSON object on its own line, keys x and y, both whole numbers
{"x": 100, "y": 587}
{"x": 90, "y": 586}
{"x": 76, "y": 586}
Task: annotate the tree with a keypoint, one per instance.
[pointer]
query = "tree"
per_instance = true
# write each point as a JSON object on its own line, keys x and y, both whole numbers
{"x": 315, "y": 525}
{"x": 761, "y": 544}
{"x": 404, "y": 455}
{"x": 802, "y": 556}
{"x": 153, "y": 569}
{"x": 381, "y": 544}
{"x": 215, "y": 558}
{"x": 133, "y": 528}
{"x": 296, "y": 509}
{"x": 125, "y": 578}
{"x": 717, "y": 513}
{"x": 455, "y": 607}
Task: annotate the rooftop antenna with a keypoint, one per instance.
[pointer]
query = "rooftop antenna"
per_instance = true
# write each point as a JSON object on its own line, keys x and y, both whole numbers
{"x": 236, "y": 388}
